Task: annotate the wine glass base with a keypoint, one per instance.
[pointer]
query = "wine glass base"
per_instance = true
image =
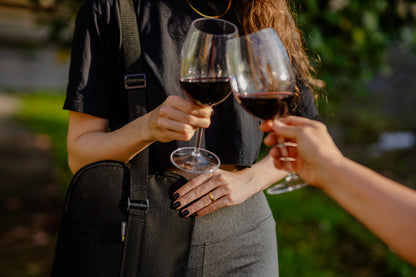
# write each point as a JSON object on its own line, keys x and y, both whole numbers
{"x": 291, "y": 182}
{"x": 190, "y": 160}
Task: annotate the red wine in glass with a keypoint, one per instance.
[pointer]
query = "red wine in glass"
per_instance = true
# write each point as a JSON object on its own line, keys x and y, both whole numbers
{"x": 266, "y": 105}
{"x": 206, "y": 91}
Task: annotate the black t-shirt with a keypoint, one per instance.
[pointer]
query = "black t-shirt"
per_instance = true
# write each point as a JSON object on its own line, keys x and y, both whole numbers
{"x": 96, "y": 76}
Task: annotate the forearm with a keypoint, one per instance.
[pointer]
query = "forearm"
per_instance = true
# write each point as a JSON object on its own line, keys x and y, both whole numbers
{"x": 263, "y": 174}
{"x": 387, "y": 208}
{"x": 120, "y": 145}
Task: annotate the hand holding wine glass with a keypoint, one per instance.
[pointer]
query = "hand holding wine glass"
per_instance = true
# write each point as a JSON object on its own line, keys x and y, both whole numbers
{"x": 263, "y": 82}
{"x": 205, "y": 80}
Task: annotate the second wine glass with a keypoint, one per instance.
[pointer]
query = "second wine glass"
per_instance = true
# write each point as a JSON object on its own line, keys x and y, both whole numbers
{"x": 263, "y": 82}
{"x": 205, "y": 80}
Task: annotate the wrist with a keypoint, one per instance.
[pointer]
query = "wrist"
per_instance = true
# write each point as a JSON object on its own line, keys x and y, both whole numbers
{"x": 262, "y": 174}
{"x": 143, "y": 129}
{"x": 329, "y": 171}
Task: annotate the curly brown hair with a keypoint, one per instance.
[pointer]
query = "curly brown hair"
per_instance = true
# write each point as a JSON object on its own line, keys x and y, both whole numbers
{"x": 255, "y": 15}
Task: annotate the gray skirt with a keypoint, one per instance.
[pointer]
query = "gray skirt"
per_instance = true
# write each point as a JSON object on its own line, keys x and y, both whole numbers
{"x": 235, "y": 241}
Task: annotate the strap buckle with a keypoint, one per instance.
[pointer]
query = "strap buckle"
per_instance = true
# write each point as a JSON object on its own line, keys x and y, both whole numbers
{"x": 137, "y": 204}
{"x": 134, "y": 81}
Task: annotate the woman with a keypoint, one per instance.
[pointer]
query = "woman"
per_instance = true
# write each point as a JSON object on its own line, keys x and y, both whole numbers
{"x": 239, "y": 237}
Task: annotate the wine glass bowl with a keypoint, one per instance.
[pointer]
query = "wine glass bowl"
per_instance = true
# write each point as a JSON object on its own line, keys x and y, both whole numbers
{"x": 204, "y": 79}
{"x": 263, "y": 82}
{"x": 206, "y": 91}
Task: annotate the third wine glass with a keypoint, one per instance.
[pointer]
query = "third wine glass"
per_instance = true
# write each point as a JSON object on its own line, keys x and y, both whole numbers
{"x": 263, "y": 82}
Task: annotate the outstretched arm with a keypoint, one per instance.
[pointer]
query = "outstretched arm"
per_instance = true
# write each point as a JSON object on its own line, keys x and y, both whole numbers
{"x": 385, "y": 207}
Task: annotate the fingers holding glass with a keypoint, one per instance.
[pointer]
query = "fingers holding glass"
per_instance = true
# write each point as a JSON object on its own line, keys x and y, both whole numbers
{"x": 284, "y": 156}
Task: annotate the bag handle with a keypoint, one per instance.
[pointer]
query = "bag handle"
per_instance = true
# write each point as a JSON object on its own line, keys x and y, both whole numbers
{"x": 135, "y": 84}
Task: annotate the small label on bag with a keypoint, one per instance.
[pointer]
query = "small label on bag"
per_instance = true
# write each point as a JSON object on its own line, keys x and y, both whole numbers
{"x": 133, "y": 81}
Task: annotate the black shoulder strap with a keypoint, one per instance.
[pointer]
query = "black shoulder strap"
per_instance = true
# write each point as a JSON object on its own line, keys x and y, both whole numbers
{"x": 135, "y": 84}
{"x": 134, "y": 78}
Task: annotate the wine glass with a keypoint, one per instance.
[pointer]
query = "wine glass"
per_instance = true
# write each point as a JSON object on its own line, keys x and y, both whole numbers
{"x": 263, "y": 82}
{"x": 205, "y": 80}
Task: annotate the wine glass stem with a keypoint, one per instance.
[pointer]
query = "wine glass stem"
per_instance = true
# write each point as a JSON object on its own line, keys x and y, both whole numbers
{"x": 199, "y": 133}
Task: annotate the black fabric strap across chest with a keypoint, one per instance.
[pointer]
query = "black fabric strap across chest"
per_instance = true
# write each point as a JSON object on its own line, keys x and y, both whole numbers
{"x": 134, "y": 84}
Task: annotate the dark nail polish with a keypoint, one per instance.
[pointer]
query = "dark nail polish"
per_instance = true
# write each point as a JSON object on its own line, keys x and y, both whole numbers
{"x": 175, "y": 196}
{"x": 176, "y": 205}
{"x": 184, "y": 213}
{"x": 194, "y": 214}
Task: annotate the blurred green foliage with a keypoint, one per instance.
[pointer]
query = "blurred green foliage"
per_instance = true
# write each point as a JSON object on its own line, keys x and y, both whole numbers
{"x": 316, "y": 237}
{"x": 42, "y": 113}
{"x": 351, "y": 38}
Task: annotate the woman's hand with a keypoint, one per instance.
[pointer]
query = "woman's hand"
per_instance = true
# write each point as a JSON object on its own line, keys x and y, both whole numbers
{"x": 212, "y": 191}
{"x": 177, "y": 119}
{"x": 89, "y": 140}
